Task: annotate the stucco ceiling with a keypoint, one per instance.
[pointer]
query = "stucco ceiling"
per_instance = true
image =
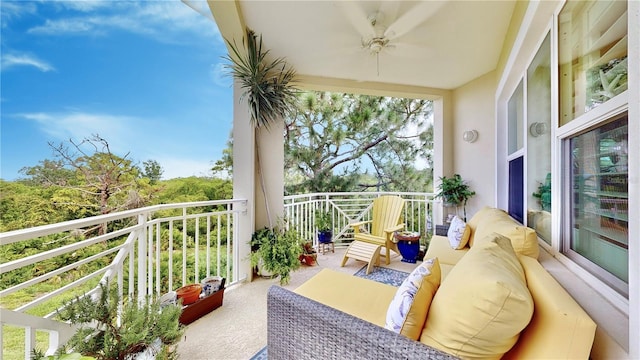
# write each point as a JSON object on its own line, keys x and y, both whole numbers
{"x": 445, "y": 43}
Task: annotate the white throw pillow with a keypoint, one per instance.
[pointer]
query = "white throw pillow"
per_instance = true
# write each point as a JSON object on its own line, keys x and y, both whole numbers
{"x": 408, "y": 310}
{"x": 458, "y": 234}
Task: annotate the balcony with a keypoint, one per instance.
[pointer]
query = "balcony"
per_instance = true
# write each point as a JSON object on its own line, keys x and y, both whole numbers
{"x": 152, "y": 250}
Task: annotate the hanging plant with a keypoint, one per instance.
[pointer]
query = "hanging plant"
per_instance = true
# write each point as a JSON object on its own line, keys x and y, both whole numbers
{"x": 268, "y": 85}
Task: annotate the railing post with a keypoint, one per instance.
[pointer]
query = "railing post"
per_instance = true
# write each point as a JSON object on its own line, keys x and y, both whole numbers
{"x": 29, "y": 341}
{"x": 142, "y": 257}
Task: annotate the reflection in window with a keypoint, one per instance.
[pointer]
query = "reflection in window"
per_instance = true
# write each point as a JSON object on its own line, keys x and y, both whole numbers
{"x": 599, "y": 219}
{"x": 593, "y": 55}
{"x": 539, "y": 142}
{"x": 515, "y": 118}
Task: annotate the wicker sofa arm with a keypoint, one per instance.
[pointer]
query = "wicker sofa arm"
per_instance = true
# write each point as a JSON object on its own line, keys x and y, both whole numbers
{"x": 299, "y": 327}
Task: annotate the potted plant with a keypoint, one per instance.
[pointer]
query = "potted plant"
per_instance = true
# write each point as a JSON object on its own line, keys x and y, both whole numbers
{"x": 309, "y": 256}
{"x": 324, "y": 223}
{"x": 544, "y": 194}
{"x": 276, "y": 251}
{"x": 454, "y": 191}
{"x": 112, "y": 329}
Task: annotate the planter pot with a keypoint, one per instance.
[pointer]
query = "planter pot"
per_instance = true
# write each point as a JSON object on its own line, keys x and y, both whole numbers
{"x": 189, "y": 293}
{"x": 324, "y": 237}
{"x": 308, "y": 259}
{"x": 264, "y": 272}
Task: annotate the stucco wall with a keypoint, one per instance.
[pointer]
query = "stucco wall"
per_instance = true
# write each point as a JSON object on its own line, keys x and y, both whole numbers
{"x": 474, "y": 109}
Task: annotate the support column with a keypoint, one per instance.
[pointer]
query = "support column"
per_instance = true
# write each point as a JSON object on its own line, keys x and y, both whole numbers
{"x": 243, "y": 178}
{"x": 270, "y": 174}
{"x": 442, "y": 148}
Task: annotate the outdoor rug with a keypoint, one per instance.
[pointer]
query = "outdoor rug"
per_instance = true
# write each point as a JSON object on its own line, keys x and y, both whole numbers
{"x": 379, "y": 274}
{"x": 383, "y": 275}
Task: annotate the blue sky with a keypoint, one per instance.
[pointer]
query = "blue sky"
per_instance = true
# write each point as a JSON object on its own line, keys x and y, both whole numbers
{"x": 145, "y": 75}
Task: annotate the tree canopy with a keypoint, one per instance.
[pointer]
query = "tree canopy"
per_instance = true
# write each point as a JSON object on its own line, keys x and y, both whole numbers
{"x": 333, "y": 139}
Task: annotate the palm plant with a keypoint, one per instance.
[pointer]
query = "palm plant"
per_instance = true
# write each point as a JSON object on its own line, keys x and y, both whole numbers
{"x": 267, "y": 85}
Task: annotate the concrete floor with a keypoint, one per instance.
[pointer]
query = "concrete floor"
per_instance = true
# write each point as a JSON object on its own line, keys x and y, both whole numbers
{"x": 238, "y": 329}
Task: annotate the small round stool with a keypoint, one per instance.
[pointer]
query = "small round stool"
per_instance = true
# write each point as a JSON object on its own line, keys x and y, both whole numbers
{"x": 325, "y": 247}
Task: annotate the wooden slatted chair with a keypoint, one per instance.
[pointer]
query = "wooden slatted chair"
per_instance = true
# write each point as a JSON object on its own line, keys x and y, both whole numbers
{"x": 387, "y": 213}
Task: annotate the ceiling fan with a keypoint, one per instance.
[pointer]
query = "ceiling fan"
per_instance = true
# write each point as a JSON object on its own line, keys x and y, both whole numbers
{"x": 381, "y": 29}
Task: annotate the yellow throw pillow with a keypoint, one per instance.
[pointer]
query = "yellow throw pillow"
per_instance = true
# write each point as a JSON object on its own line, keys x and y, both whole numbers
{"x": 408, "y": 310}
{"x": 523, "y": 239}
{"x": 458, "y": 233}
{"x": 483, "y": 304}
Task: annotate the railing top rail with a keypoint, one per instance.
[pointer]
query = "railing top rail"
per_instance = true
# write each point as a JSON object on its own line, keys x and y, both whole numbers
{"x": 373, "y": 193}
{"x": 34, "y": 232}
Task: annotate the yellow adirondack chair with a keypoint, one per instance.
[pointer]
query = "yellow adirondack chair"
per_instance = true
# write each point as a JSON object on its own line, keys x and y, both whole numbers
{"x": 387, "y": 212}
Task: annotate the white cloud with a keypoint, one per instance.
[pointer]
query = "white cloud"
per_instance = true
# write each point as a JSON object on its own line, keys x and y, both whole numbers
{"x": 13, "y": 60}
{"x": 80, "y": 125}
{"x": 184, "y": 167}
{"x": 63, "y": 26}
{"x": 10, "y": 10}
{"x": 83, "y": 5}
{"x": 148, "y": 18}
{"x": 220, "y": 75}
{"x": 125, "y": 134}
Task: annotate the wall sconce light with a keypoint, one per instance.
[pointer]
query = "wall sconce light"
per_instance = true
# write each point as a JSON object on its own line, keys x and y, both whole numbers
{"x": 537, "y": 128}
{"x": 470, "y": 136}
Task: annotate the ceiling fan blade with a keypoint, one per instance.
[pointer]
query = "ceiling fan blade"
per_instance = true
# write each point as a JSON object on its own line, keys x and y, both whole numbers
{"x": 412, "y": 18}
{"x": 358, "y": 18}
{"x": 390, "y": 10}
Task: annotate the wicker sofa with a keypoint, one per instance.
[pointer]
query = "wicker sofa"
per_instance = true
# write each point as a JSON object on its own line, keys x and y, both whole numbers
{"x": 335, "y": 315}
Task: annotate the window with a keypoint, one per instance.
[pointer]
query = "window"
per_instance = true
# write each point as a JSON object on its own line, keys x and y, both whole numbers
{"x": 599, "y": 221}
{"x": 539, "y": 142}
{"x": 516, "y": 114}
{"x": 592, "y": 54}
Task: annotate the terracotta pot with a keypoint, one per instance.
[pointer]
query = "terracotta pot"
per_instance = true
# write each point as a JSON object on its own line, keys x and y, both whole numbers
{"x": 189, "y": 293}
{"x": 309, "y": 260}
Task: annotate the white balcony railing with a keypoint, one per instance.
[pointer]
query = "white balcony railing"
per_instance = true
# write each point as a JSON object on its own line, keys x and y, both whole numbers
{"x": 149, "y": 251}
{"x": 348, "y": 207}
{"x": 146, "y": 251}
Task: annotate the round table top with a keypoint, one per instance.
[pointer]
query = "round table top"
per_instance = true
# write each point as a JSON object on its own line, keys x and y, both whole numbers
{"x": 407, "y": 236}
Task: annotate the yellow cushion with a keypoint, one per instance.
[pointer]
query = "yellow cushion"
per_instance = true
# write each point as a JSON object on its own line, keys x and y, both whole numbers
{"x": 362, "y": 298}
{"x": 560, "y": 328}
{"x": 458, "y": 233}
{"x": 483, "y": 304}
{"x": 439, "y": 247}
{"x": 408, "y": 309}
{"x": 477, "y": 219}
{"x": 523, "y": 239}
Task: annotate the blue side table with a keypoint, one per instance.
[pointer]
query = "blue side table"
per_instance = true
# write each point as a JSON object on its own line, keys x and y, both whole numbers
{"x": 409, "y": 245}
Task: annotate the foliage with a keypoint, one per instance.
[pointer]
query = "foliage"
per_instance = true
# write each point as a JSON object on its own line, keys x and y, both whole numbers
{"x": 39, "y": 355}
{"x": 278, "y": 249}
{"x": 455, "y": 191}
{"x": 323, "y": 220}
{"x": 267, "y": 84}
{"x": 332, "y": 137}
{"x": 87, "y": 178}
{"x": 119, "y": 334}
{"x": 193, "y": 189}
{"x": 544, "y": 194}
{"x": 152, "y": 170}
{"x": 223, "y": 167}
